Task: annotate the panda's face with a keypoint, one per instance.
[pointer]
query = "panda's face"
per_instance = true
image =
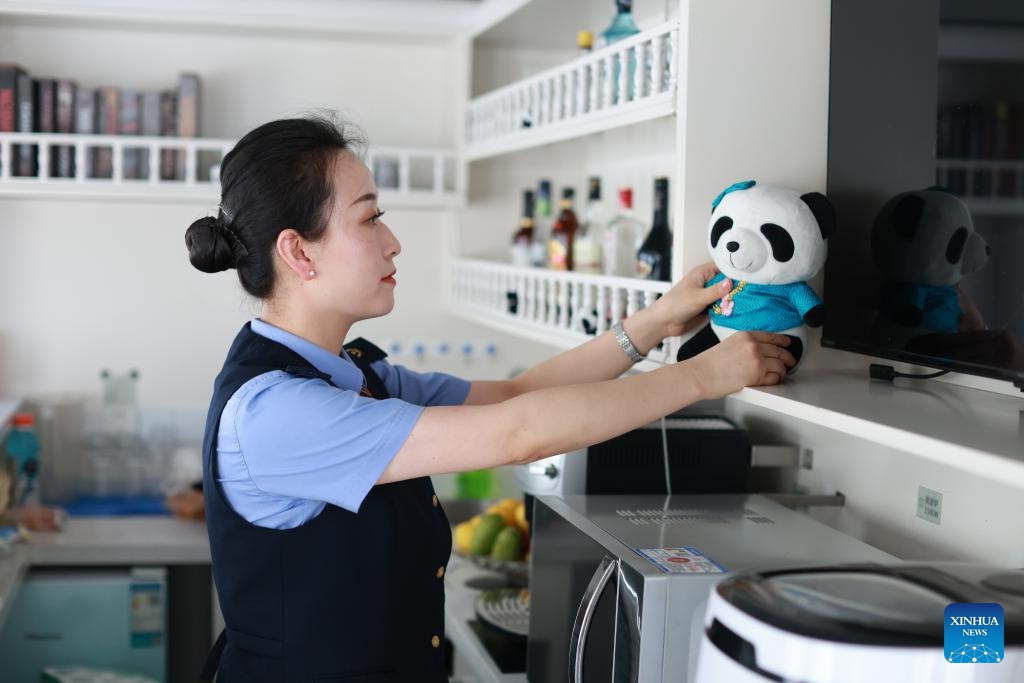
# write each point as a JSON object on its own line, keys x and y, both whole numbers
{"x": 927, "y": 237}
{"x": 766, "y": 235}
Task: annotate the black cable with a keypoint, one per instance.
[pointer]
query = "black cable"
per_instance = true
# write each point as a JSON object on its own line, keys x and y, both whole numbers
{"x": 887, "y": 373}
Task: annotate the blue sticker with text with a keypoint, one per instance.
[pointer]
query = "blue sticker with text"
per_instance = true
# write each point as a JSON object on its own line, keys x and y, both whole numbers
{"x": 974, "y": 633}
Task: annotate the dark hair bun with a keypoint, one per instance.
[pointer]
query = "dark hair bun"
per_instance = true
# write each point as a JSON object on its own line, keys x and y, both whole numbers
{"x": 208, "y": 247}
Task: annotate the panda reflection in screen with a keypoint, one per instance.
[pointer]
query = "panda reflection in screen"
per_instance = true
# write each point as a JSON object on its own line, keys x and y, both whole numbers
{"x": 769, "y": 241}
{"x": 924, "y": 243}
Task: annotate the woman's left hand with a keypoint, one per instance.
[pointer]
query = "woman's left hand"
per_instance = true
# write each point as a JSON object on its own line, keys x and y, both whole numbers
{"x": 684, "y": 307}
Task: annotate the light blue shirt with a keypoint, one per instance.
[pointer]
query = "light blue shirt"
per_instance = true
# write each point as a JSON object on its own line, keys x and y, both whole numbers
{"x": 288, "y": 445}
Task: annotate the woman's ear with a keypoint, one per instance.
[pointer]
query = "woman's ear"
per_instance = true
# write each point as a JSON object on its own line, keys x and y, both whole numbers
{"x": 294, "y": 251}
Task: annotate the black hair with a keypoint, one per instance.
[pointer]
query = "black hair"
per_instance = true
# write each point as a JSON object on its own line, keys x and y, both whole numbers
{"x": 280, "y": 175}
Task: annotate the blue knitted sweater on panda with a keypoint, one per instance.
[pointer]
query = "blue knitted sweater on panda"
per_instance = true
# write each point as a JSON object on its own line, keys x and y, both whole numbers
{"x": 766, "y": 308}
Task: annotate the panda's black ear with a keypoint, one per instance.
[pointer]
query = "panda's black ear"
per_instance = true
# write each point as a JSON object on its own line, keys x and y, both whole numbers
{"x": 906, "y": 215}
{"x": 823, "y": 212}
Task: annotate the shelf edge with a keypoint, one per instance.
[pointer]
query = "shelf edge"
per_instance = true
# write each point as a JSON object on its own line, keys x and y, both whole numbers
{"x": 990, "y": 465}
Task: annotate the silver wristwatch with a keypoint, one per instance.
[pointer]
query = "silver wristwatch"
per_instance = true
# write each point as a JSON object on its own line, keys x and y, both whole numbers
{"x": 625, "y": 344}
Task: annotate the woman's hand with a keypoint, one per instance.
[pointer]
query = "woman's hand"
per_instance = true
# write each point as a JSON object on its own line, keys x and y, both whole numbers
{"x": 684, "y": 307}
{"x": 742, "y": 359}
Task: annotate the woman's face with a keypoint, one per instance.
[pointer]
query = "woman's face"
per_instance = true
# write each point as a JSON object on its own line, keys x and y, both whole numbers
{"x": 355, "y": 259}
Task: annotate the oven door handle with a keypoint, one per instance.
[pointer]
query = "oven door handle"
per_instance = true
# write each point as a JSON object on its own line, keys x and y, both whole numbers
{"x": 581, "y": 627}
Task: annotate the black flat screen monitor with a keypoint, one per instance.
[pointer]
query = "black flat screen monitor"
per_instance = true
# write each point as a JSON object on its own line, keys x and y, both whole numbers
{"x": 926, "y": 171}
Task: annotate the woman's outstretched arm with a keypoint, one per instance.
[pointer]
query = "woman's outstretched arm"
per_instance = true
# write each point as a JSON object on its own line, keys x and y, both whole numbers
{"x": 601, "y": 358}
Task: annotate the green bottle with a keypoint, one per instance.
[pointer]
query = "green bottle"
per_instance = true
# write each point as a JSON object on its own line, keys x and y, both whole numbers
{"x": 474, "y": 485}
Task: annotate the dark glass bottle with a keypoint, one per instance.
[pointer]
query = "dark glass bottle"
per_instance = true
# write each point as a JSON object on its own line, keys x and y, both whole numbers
{"x": 560, "y": 246}
{"x": 541, "y": 225}
{"x": 654, "y": 258}
{"x": 522, "y": 239}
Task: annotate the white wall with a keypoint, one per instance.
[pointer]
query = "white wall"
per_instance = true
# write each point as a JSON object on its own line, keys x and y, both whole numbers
{"x": 399, "y": 91}
{"x": 86, "y": 285}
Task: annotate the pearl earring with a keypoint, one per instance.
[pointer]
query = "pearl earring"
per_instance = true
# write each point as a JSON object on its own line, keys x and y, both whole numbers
{"x": 312, "y": 273}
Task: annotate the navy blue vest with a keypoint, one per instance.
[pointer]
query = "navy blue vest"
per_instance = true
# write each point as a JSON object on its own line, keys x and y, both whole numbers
{"x": 343, "y": 597}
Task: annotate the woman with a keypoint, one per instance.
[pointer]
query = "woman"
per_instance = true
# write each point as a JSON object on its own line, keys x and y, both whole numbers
{"x": 329, "y": 546}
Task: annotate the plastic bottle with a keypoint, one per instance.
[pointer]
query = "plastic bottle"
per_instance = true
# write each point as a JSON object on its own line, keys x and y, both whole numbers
{"x": 474, "y": 485}
{"x": 23, "y": 448}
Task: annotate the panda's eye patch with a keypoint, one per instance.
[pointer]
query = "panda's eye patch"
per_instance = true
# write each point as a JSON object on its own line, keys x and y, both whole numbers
{"x": 721, "y": 226}
{"x": 955, "y": 248}
{"x": 782, "y": 243}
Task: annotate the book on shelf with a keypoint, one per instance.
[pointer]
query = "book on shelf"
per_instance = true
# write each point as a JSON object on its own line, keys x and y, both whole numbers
{"x": 85, "y": 111}
{"x": 62, "y": 163}
{"x": 149, "y": 125}
{"x": 130, "y": 124}
{"x": 16, "y": 115}
{"x": 85, "y": 123}
{"x": 188, "y": 115}
{"x": 981, "y": 131}
{"x": 108, "y": 115}
{"x": 59, "y": 105}
{"x": 8, "y": 109}
{"x": 44, "y": 113}
{"x": 168, "y": 127}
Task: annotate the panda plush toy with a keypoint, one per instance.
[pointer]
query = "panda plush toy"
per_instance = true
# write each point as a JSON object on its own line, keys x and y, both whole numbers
{"x": 769, "y": 241}
{"x": 924, "y": 243}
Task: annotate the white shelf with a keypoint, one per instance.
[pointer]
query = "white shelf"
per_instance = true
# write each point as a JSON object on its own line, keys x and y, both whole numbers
{"x": 481, "y": 292}
{"x": 996, "y": 171}
{"x": 416, "y": 177}
{"x": 584, "y": 96}
{"x": 970, "y": 429}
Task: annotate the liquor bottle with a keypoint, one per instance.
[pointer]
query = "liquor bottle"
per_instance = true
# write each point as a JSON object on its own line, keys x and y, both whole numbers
{"x": 654, "y": 258}
{"x": 622, "y": 26}
{"x": 522, "y": 239}
{"x": 586, "y": 251}
{"x": 621, "y": 238}
{"x": 541, "y": 225}
{"x": 560, "y": 256}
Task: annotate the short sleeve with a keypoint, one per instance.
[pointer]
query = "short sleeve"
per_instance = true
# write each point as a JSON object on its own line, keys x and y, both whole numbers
{"x": 422, "y": 388}
{"x": 290, "y": 437}
{"x": 803, "y": 298}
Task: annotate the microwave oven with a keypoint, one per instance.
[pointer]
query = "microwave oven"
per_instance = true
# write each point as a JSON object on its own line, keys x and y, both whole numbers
{"x": 619, "y": 584}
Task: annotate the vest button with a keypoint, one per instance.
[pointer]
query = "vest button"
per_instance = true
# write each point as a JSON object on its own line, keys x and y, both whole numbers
{"x": 435, "y": 641}
{"x": 433, "y": 499}
{"x": 440, "y": 571}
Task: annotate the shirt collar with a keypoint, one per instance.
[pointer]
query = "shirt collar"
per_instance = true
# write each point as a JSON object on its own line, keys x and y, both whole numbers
{"x": 343, "y": 372}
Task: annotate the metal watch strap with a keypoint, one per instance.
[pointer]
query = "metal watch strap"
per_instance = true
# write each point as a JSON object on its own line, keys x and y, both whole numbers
{"x": 625, "y": 344}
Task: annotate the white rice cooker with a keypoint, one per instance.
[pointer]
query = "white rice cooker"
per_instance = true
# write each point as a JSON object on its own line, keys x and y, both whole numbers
{"x": 863, "y": 623}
